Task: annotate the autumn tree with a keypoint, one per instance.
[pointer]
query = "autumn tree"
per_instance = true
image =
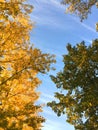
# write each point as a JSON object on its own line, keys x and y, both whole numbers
{"x": 78, "y": 85}
{"x": 82, "y": 8}
{"x": 20, "y": 63}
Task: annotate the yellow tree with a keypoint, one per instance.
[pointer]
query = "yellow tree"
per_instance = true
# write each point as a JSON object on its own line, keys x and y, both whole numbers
{"x": 19, "y": 65}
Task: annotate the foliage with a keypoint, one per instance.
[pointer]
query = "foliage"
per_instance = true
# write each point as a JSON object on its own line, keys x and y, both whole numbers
{"x": 80, "y": 7}
{"x": 19, "y": 65}
{"x": 78, "y": 83}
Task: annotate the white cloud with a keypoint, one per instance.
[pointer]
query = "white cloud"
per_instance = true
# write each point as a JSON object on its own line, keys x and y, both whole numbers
{"x": 54, "y": 3}
{"x": 48, "y": 96}
{"x": 49, "y": 13}
{"x": 46, "y": 14}
{"x": 84, "y": 25}
{"x": 45, "y": 97}
{"x": 88, "y": 27}
{"x": 57, "y": 4}
{"x": 50, "y": 21}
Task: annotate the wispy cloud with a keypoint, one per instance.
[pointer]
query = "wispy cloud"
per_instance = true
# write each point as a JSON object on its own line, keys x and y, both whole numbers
{"x": 44, "y": 98}
{"x": 48, "y": 96}
{"x": 57, "y": 4}
{"x": 54, "y": 3}
{"x": 50, "y": 21}
{"x": 88, "y": 27}
{"x": 48, "y": 13}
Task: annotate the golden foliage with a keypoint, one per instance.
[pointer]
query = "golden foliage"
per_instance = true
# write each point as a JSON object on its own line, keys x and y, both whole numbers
{"x": 19, "y": 65}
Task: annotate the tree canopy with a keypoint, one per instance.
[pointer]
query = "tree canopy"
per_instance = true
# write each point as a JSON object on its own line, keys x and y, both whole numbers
{"x": 20, "y": 63}
{"x": 78, "y": 85}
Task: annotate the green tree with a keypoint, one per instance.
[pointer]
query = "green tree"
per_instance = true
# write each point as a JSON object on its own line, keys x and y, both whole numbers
{"x": 78, "y": 85}
{"x": 82, "y": 8}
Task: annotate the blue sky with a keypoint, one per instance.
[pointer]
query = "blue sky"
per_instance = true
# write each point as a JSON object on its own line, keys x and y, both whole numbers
{"x": 53, "y": 30}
